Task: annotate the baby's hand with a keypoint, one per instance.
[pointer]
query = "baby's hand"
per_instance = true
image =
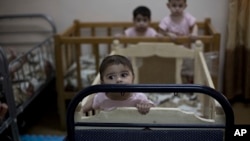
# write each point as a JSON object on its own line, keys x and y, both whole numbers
{"x": 172, "y": 36}
{"x": 85, "y": 109}
{"x": 192, "y": 37}
{"x": 144, "y": 108}
{"x": 118, "y": 35}
{"x": 159, "y": 35}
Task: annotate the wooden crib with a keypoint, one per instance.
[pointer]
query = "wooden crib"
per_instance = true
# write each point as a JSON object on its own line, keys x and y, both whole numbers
{"x": 161, "y": 63}
{"x": 99, "y": 35}
{"x": 95, "y": 123}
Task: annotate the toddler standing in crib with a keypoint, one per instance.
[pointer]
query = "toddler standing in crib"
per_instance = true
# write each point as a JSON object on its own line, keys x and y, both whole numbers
{"x": 141, "y": 20}
{"x": 179, "y": 22}
{"x": 117, "y": 69}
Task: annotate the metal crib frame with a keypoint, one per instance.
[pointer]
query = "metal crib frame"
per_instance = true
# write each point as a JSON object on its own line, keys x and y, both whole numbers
{"x": 5, "y": 89}
{"x": 45, "y": 46}
{"x": 73, "y": 134}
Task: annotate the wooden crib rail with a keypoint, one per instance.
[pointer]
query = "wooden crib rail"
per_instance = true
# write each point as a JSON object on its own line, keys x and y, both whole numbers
{"x": 95, "y": 40}
{"x": 205, "y": 26}
{"x": 77, "y": 24}
{"x": 70, "y": 32}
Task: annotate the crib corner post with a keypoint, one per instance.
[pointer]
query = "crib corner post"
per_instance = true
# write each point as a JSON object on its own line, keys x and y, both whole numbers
{"x": 77, "y": 22}
{"x": 207, "y": 20}
{"x": 59, "y": 80}
{"x": 197, "y": 71}
{"x": 77, "y": 27}
{"x": 115, "y": 44}
{"x": 199, "y": 44}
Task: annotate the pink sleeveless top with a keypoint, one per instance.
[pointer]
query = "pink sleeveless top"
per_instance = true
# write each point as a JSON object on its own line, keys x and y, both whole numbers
{"x": 180, "y": 29}
{"x": 102, "y": 102}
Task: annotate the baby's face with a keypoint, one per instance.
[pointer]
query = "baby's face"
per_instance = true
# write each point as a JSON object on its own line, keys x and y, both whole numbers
{"x": 176, "y": 7}
{"x": 117, "y": 74}
{"x": 141, "y": 22}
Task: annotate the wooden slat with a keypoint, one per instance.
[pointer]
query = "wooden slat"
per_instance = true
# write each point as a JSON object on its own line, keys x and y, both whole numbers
{"x": 121, "y": 24}
{"x": 205, "y": 71}
{"x": 108, "y": 40}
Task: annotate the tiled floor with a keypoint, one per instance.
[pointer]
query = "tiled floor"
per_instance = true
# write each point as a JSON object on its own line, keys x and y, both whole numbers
{"x": 41, "y": 117}
{"x": 48, "y": 124}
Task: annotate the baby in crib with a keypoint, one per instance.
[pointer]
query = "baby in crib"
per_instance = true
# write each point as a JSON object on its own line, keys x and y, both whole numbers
{"x": 141, "y": 20}
{"x": 3, "y": 111}
{"x": 179, "y": 22}
{"x": 117, "y": 69}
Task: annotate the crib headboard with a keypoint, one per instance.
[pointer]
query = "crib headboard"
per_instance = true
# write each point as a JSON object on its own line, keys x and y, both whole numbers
{"x": 201, "y": 124}
{"x": 23, "y": 31}
{"x": 156, "y": 62}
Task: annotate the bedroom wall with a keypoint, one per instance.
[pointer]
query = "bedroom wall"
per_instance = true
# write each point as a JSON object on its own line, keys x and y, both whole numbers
{"x": 65, "y": 11}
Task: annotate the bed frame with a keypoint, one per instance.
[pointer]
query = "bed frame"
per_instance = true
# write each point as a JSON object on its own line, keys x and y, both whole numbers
{"x": 100, "y": 35}
{"x": 31, "y": 36}
{"x": 9, "y": 121}
{"x": 159, "y": 123}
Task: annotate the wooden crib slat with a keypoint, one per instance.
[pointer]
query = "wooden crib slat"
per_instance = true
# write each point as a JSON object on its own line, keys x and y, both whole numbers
{"x": 179, "y": 62}
{"x": 60, "y": 81}
{"x": 96, "y": 55}
{"x": 78, "y": 67}
{"x": 203, "y": 66}
{"x": 109, "y": 33}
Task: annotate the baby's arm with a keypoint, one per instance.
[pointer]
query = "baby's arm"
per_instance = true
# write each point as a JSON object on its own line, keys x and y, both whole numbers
{"x": 119, "y": 35}
{"x": 88, "y": 105}
{"x": 194, "y": 32}
{"x": 167, "y": 33}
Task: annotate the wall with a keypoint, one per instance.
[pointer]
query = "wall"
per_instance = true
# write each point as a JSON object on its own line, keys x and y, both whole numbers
{"x": 65, "y": 11}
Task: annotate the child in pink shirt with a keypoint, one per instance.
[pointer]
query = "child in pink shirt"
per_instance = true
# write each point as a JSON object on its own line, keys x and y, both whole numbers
{"x": 117, "y": 69}
{"x": 141, "y": 19}
{"x": 179, "y": 22}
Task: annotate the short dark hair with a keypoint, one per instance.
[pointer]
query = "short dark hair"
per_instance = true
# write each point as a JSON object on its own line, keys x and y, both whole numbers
{"x": 171, "y": 0}
{"x": 142, "y": 10}
{"x": 114, "y": 60}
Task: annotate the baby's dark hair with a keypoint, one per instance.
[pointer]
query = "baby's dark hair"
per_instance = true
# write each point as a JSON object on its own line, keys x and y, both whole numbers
{"x": 171, "y": 0}
{"x": 142, "y": 10}
{"x": 114, "y": 60}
